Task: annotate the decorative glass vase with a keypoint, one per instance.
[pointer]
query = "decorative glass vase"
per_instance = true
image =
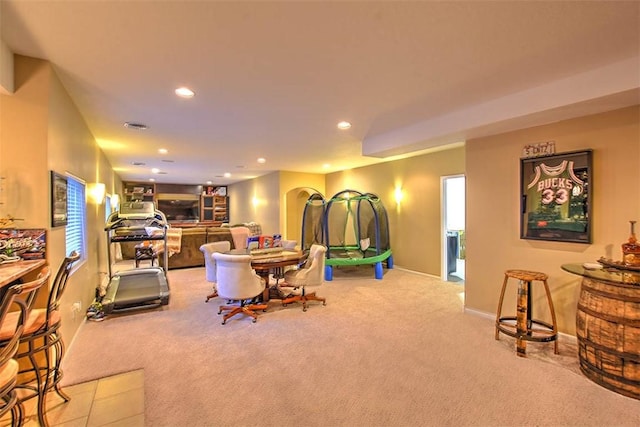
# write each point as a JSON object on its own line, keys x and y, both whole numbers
{"x": 631, "y": 249}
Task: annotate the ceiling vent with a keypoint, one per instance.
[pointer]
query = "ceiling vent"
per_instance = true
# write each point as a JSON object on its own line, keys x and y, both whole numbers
{"x": 137, "y": 126}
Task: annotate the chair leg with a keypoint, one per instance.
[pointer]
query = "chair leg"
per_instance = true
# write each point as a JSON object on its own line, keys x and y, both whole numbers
{"x": 248, "y": 309}
{"x": 304, "y": 298}
{"x": 553, "y": 317}
{"x": 291, "y": 299}
{"x": 57, "y": 373}
{"x": 312, "y": 297}
{"x": 211, "y": 295}
{"x": 43, "y": 388}
{"x": 17, "y": 414}
{"x": 499, "y": 310}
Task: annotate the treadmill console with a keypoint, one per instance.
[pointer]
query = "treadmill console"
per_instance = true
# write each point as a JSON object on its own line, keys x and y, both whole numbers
{"x": 137, "y": 210}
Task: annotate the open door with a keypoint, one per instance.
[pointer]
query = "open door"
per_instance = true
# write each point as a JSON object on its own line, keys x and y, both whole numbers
{"x": 453, "y": 247}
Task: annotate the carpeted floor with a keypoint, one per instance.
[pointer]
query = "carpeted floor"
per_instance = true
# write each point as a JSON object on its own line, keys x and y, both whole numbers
{"x": 393, "y": 352}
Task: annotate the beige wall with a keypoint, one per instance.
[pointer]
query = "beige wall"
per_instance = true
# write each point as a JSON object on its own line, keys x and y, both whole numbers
{"x": 42, "y": 130}
{"x": 493, "y": 201}
{"x": 295, "y": 189}
{"x": 415, "y": 225}
{"x": 270, "y": 193}
{"x": 266, "y": 208}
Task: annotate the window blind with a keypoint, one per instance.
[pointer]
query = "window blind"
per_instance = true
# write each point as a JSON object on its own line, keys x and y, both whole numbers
{"x": 76, "y": 217}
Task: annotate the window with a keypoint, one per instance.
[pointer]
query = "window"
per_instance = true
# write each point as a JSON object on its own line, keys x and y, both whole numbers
{"x": 107, "y": 207}
{"x": 76, "y": 217}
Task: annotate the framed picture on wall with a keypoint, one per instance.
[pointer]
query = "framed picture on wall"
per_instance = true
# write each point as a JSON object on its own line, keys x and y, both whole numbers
{"x": 58, "y": 200}
{"x": 556, "y": 197}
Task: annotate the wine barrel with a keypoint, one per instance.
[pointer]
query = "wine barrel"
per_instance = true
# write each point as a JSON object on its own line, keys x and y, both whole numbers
{"x": 608, "y": 331}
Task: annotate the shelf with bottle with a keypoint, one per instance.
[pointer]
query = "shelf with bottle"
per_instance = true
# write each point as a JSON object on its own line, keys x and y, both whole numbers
{"x": 137, "y": 191}
{"x": 214, "y": 207}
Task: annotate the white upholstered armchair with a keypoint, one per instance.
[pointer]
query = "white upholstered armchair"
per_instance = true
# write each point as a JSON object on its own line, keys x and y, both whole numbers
{"x": 237, "y": 281}
{"x": 210, "y": 264}
{"x": 306, "y": 278}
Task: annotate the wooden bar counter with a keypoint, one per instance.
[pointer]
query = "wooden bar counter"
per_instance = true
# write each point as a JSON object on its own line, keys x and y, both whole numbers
{"x": 608, "y": 327}
{"x": 26, "y": 270}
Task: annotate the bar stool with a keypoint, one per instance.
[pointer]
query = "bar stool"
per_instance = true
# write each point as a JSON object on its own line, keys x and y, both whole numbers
{"x": 523, "y": 326}
{"x": 12, "y": 324}
{"x": 44, "y": 347}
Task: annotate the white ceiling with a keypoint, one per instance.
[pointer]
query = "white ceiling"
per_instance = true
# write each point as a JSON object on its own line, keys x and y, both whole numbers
{"x": 272, "y": 79}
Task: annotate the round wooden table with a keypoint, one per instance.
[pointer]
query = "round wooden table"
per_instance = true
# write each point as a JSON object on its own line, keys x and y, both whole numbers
{"x": 264, "y": 263}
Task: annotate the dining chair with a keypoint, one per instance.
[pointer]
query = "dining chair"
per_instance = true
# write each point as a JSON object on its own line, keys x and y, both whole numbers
{"x": 237, "y": 281}
{"x": 308, "y": 276}
{"x": 12, "y": 324}
{"x": 210, "y": 264}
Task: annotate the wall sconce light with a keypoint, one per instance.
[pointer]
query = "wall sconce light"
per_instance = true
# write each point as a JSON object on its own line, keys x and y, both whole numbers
{"x": 255, "y": 201}
{"x": 96, "y": 192}
{"x": 398, "y": 195}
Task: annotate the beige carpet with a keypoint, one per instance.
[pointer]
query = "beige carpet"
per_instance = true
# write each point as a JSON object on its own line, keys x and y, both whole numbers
{"x": 393, "y": 352}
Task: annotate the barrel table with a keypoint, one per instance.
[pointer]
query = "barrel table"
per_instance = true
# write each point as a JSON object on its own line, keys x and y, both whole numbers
{"x": 608, "y": 327}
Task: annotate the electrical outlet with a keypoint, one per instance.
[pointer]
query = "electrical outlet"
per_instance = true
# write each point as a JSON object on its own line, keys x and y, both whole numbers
{"x": 75, "y": 309}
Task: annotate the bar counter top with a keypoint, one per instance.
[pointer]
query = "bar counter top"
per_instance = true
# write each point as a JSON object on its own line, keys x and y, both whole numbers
{"x": 9, "y": 272}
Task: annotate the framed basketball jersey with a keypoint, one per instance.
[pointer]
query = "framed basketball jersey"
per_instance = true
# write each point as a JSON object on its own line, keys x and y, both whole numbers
{"x": 555, "y": 197}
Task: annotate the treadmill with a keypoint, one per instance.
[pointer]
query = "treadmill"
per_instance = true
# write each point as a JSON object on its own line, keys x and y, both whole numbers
{"x": 138, "y": 288}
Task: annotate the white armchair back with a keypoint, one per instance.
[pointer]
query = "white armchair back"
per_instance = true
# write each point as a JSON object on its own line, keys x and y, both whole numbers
{"x": 209, "y": 263}
{"x": 236, "y": 280}
{"x": 312, "y": 272}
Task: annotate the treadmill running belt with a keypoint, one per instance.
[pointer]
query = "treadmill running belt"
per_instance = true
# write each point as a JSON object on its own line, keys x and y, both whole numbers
{"x": 138, "y": 288}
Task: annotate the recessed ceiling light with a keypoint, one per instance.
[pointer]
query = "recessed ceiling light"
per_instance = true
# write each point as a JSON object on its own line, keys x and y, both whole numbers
{"x": 136, "y": 126}
{"x": 152, "y": 179}
{"x": 344, "y": 125}
{"x": 155, "y": 170}
{"x": 326, "y": 166}
{"x": 163, "y": 150}
{"x": 227, "y": 175}
{"x": 184, "y": 92}
{"x": 262, "y": 160}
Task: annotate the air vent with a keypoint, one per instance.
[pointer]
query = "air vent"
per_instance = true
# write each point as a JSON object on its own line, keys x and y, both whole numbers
{"x": 137, "y": 126}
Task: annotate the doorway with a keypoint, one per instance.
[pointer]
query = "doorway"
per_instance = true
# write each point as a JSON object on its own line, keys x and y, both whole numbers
{"x": 453, "y": 247}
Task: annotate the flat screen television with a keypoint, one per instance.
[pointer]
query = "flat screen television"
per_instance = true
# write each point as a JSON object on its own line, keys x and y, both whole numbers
{"x": 180, "y": 210}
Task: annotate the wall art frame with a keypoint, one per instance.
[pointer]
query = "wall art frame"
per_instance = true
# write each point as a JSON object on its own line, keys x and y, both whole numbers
{"x": 556, "y": 197}
{"x": 58, "y": 200}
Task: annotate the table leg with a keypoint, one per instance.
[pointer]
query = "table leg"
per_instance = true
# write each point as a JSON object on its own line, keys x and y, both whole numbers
{"x": 265, "y": 276}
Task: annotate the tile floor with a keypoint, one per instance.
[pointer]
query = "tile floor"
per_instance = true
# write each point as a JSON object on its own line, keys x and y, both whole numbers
{"x": 112, "y": 401}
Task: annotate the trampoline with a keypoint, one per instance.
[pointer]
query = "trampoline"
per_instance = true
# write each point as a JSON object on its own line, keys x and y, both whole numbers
{"x": 353, "y": 226}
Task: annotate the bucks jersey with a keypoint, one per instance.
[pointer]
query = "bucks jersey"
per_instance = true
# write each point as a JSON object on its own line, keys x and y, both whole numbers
{"x": 553, "y": 194}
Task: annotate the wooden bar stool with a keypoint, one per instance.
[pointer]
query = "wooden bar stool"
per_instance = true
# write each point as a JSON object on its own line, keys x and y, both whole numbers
{"x": 523, "y": 326}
